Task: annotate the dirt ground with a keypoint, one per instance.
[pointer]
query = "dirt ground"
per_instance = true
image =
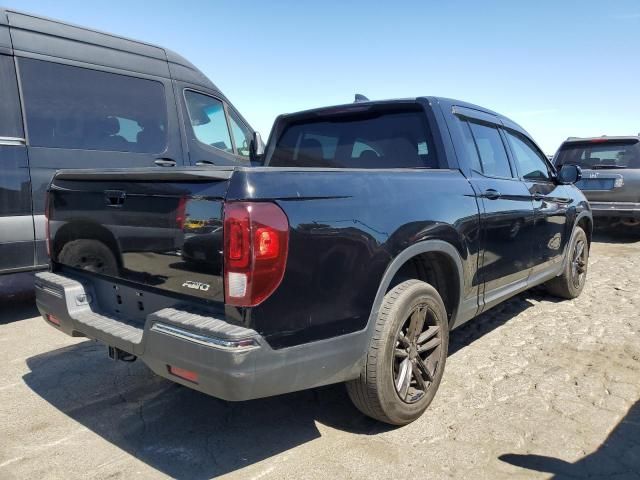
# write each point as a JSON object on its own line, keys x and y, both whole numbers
{"x": 536, "y": 388}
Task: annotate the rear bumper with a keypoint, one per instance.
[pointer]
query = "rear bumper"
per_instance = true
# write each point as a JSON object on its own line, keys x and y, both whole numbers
{"x": 615, "y": 209}
{"x": 233, "y": 363}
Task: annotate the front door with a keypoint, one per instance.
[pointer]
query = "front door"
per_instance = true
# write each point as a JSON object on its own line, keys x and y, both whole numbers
{"x": 551, "y": 202}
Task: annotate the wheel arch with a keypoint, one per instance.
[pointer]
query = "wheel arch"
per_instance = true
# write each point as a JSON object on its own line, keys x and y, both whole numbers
{"x": 585, "y": 221}
{"x": 425, "y": 252}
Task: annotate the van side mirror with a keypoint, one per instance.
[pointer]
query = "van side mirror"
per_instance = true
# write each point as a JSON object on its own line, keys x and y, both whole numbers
{"x": 569, "y": 174}
{"x": 256, "y": 149}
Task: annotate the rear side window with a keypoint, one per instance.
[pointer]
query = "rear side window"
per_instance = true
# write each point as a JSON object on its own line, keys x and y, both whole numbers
{"x": 10, "y": 118}
{"x": 598, "y": 153}
{"x": 79, "y": 108}
{"x": 370, "y": 139}
{"x": 208, "y": 120}
{"x": 493, "y": 156}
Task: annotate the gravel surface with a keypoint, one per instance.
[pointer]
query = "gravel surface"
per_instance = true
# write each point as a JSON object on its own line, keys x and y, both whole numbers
{"x": 535, "y": 388}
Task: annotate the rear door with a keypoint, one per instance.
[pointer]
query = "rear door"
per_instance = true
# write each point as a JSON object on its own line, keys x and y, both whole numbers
{"x": 16, "y": 220}
{"x": 507, "y": 216}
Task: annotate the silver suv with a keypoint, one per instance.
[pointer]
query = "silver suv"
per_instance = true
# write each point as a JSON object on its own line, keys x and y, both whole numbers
{"x": 610, "y": 176}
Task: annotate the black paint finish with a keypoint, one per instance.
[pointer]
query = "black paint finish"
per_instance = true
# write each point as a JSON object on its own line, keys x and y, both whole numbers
{"x": 346, "y": 227}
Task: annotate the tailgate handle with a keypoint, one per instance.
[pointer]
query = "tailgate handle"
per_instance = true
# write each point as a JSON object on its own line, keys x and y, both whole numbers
{"x": 114, "y": 198}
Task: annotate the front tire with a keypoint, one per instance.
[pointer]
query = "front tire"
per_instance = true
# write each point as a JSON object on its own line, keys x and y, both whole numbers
{"x": 405, "y": 360}
{"x": 569, "y": 285}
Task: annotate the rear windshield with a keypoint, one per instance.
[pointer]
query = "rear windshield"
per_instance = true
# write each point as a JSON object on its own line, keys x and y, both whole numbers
{"x": 603, "y": 154}
{"x": 396, "y": 139}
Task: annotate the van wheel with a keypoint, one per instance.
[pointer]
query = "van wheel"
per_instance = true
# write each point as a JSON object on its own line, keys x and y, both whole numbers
{"x": 570, "y": 284}
{"x": 406, "y": 355}
{"x": 90, "y": 255}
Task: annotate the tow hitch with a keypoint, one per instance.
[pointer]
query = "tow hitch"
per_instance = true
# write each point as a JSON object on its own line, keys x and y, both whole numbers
{"x": 117, "y": 354}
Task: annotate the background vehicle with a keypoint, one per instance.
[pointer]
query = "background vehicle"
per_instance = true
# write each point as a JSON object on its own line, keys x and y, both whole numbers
{"x": 77, "y": 98}
{"x": 374, "y": 228}
{"x": 611, "y": 176}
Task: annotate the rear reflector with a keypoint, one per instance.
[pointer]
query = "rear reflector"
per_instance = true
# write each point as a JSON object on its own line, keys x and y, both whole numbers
{"x": 53, "y": 319}
{"x": 184, "y": 374}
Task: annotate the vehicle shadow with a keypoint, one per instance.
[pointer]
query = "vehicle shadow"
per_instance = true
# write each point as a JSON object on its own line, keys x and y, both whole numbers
{"x": 12, "y": 310}
{"x": 176, "y": 430}
{"x": 616, "y": 236}
{"x": 186, "y": 434}
{"x": 499, "y": 315}
{"x": 618, "y": 456}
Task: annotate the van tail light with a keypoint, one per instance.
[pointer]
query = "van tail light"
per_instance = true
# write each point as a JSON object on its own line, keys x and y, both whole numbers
{"x": 181, "y": 212}
{"x": 47, "y": 228}
{"x": 256, "y": 243}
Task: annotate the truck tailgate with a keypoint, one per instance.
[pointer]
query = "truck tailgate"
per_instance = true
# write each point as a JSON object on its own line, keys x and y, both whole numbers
{"x": 164, "y": 228}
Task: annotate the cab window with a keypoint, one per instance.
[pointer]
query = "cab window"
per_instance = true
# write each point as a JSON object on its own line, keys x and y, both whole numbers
{"x": 531, "y": 164}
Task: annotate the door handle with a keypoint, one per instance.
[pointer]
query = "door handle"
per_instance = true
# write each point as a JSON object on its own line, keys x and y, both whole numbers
{"x": 165, "y": 162}
{"x": 202, "y": 163}
{"x": 491, "y": 194}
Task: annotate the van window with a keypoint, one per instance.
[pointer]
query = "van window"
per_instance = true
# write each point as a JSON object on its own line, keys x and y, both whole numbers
{"x": 241, "y": 134}
{"x": 493, "y": 156}
{"x": 208, "y": 120}
{"x": 79, "y": 108}
{"x": 10, "y": 118}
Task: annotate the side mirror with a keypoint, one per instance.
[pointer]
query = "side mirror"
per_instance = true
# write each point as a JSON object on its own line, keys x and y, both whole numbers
{"x": 569, "y": 174}
{"x": 256, "y": 149}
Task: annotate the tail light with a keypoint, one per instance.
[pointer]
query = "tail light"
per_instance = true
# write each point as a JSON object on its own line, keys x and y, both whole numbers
{"x": 181, "y": 212}
{"x": 47, "y": 229}
{"x": 256, "y": 241}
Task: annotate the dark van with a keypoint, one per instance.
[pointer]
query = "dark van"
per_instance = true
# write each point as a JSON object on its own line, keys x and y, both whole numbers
{"x": 71, "y": 97}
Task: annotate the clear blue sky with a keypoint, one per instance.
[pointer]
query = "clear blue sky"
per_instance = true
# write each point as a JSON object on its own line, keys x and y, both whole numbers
{"x": 559, "y": 68}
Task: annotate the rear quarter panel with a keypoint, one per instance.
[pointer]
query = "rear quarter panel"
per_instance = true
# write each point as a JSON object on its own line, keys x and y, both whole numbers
{"x": 346, "y": 227}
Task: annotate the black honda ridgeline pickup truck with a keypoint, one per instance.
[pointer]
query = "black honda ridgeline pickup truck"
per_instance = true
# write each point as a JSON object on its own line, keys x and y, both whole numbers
{"x": 371, "y": 230}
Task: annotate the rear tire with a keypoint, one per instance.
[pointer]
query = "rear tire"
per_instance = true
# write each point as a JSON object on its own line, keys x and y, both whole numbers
{"x": 403, "y": 347}
{"x": 569, "y": 285}
{"x": 91, "y": 255}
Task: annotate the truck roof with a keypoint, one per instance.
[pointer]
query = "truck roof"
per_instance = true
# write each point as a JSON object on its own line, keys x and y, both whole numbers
{"x": 446, "y": 103}
{"x": 28, "y": 26}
